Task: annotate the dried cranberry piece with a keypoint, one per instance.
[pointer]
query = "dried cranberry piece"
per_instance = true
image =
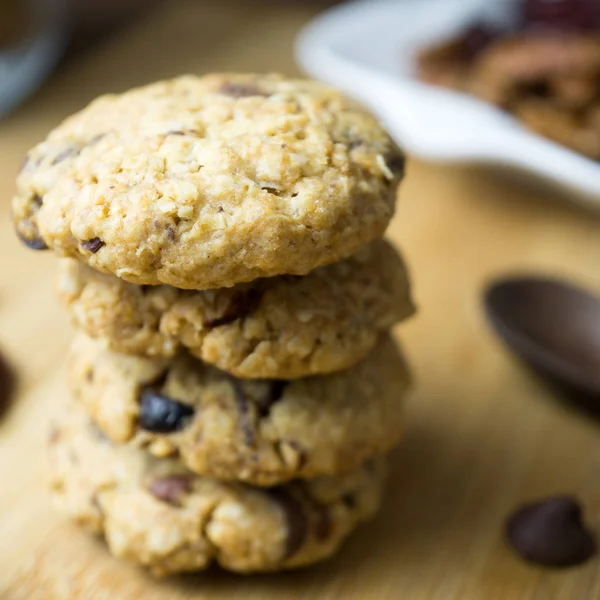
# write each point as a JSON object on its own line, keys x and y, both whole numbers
{"x": 569, "y": 15}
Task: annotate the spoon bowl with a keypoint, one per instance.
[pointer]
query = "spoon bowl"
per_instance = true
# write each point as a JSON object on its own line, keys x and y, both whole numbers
{"x": 552, "y": 325}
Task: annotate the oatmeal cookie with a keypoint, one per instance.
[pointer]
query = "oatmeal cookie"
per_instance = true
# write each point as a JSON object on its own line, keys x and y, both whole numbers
{"x": 280, "y": 327}
{"x": 157, "y": 514}
{"x": 260, "y": 431}
{"x": 205, "y": 182}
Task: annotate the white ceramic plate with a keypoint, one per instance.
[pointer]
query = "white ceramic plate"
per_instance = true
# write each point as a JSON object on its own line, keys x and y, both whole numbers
{"x": 367, "y": 49}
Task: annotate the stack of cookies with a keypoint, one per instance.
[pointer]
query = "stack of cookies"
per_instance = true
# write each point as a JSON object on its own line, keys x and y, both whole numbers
{"x": 235, "y": 384}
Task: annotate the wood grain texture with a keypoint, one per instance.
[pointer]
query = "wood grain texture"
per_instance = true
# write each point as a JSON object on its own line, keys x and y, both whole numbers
{"x": 483, "y": 433}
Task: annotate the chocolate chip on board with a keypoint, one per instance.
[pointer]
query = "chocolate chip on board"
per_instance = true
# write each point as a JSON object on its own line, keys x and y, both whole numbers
{"x": 171, "y": 489}
{"x": 161, "y": 414}
{"x": 551, "y": 532}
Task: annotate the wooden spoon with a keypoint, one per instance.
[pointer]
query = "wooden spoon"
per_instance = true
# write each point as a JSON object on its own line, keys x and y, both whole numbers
{"x": 551, "y": 324}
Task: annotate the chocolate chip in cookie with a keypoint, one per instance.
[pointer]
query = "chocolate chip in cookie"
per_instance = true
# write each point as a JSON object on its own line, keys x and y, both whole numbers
{"x": 323, "y": 523}
{"x": 27, "y": 230}
{"x": 271, "y": 190}
{"x": 171, "y": 233}
{"x": 190, "y": 132}
{"x": 161, "y": 414}
{"x": 274, "y": 392}
{"x": 263, "y": 401}
{"x": 241, "y": 90}
{"x": 240, "y": 305}
{"x": 64, "y": 154}
{"x": 297, "y": 523}
{"x": 92, "y": 245}
{"x": 349, "y": 501}
{"x": 241, "y": 402}
{"x": 34, "y": 243}
{"x": 396, "y": 164}
{"x": 171, "y": 489}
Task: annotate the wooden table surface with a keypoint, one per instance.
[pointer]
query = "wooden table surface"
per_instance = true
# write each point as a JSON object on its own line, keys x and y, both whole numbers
{"x": 483, "y": 433}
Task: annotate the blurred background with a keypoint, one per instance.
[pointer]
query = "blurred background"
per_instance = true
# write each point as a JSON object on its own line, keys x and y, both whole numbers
{"x": 483, "y": 435}
{"x": 39, "y": 37}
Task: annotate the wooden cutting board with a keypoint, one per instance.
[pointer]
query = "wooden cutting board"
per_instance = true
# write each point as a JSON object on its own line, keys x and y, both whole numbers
{"x": 483, "y": 434}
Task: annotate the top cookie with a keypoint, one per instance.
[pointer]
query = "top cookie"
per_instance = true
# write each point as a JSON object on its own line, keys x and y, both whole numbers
{"x": 205, "y": 182}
